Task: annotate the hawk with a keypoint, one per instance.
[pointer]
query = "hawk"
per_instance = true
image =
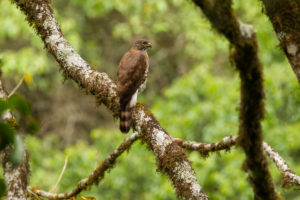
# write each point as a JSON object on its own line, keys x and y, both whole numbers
{"x": 131, "y": 80}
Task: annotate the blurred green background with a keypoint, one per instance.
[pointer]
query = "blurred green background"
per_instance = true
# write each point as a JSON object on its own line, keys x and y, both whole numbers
{"x": 192, "y": 89}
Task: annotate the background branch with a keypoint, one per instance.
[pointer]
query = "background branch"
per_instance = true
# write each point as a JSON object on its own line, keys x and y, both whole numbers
{"x": 284, "y": 16}
{"x": 243, "y": 40}
{"x": 289, "y": 178}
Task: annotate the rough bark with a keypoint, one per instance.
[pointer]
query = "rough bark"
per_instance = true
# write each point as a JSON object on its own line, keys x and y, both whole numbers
{"x": 285, "y": 18}
{"x": 204, "y": 149}
{"x": 289, "y": 178}
{"x": 15, "y": 177}
{"x": 244, "y": 55}
{"x": 40, "y": 16}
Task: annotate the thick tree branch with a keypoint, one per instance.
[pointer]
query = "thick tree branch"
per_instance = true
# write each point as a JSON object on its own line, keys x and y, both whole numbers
{"x": 96, "y": 176}
{"x": 289, "y": 178}
{"x": 170, "y": 156}
{"x": 15, "y": 177}
{"x": 179, "y": 169}
{"x": 285, "y": 17}
{"x": 243, "y": 40}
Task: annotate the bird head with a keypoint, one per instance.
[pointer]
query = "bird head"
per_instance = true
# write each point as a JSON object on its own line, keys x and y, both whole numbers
{"x": 142, "y": 44}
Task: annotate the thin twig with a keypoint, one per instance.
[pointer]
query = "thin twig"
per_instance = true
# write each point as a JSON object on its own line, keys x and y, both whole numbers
{"x": 30, "y": 191}
{"x": 97, "y": 159}
{"x": 96, "y": 175}
{"x": 61, "y": 174}
{"x": 17, "y": 87}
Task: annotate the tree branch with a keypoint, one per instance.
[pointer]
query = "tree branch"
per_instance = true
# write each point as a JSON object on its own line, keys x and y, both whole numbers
{"x": 17, "y": 87}
{"x": 15, "y": 177}
{"x": 204, "y": 149}
{"x": 284, "y": 16}
{"x": 289, "y": 178}
{"x": 243, "y": 40}
{"x": 179, "y": 169}
{"x": 96, "y": 176}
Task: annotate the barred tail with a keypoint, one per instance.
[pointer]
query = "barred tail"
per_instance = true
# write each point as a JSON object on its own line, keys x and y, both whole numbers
{"x": 125, "y": 118}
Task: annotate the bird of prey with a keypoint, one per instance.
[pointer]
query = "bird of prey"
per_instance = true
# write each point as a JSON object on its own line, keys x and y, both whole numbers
{"x": 131, "y": 80}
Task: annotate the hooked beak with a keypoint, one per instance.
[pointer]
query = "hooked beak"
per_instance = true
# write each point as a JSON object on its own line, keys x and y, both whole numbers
{"x": 148, "y": 45}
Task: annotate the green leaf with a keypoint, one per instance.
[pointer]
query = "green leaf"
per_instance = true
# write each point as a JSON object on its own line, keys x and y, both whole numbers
{"x": 19, "y": 103}
{"x": 1, "y": 62}
{"x": 6, "y": 135}
{"x": 3, "y": 105}
{"x": 33, "y": 126}
{"x": 2, "y": 188}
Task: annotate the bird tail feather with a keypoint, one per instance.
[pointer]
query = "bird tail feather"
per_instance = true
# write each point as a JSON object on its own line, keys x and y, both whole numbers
{"x": 125, "y": 118}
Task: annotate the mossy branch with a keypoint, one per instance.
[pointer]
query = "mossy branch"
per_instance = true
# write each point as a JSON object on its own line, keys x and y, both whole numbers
{"x": 39, "y": 14}
{"x": 285, "y": 18}
{"x": 204, "y": 149}
{"x": 289, "y": 178}
{"x": 244, "y": 55}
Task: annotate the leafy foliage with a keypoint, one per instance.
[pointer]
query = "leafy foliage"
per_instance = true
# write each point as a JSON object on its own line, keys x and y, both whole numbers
{"x": 19, "y": 103}
{"x": 3, "y": 105}
{"x": 7, "y": 135}
{"x": 2, "y": 188}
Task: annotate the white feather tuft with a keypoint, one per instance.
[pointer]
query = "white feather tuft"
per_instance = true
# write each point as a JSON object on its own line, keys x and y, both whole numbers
{"x": 133, "y": 99}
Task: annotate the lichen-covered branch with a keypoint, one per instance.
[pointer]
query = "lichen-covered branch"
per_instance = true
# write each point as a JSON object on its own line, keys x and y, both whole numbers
{"x": 96, "y": 176}
{"x": 15, "y": 177}
{"x": 170, "y": 156}
{"x": 204, "y": 149}
{"x": 285, "y": 17}
{"x": 244, "y": 55}
{"x": 289, "y": 178}
{"x": 179, "y": 169}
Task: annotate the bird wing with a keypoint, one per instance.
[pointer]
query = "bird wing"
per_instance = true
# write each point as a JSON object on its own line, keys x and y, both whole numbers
{"x": 131, "y": 74}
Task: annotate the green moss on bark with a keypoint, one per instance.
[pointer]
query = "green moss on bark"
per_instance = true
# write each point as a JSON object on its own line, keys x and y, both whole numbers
{"x": 285, "y": 18}
{"x": 244, "y": 56}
